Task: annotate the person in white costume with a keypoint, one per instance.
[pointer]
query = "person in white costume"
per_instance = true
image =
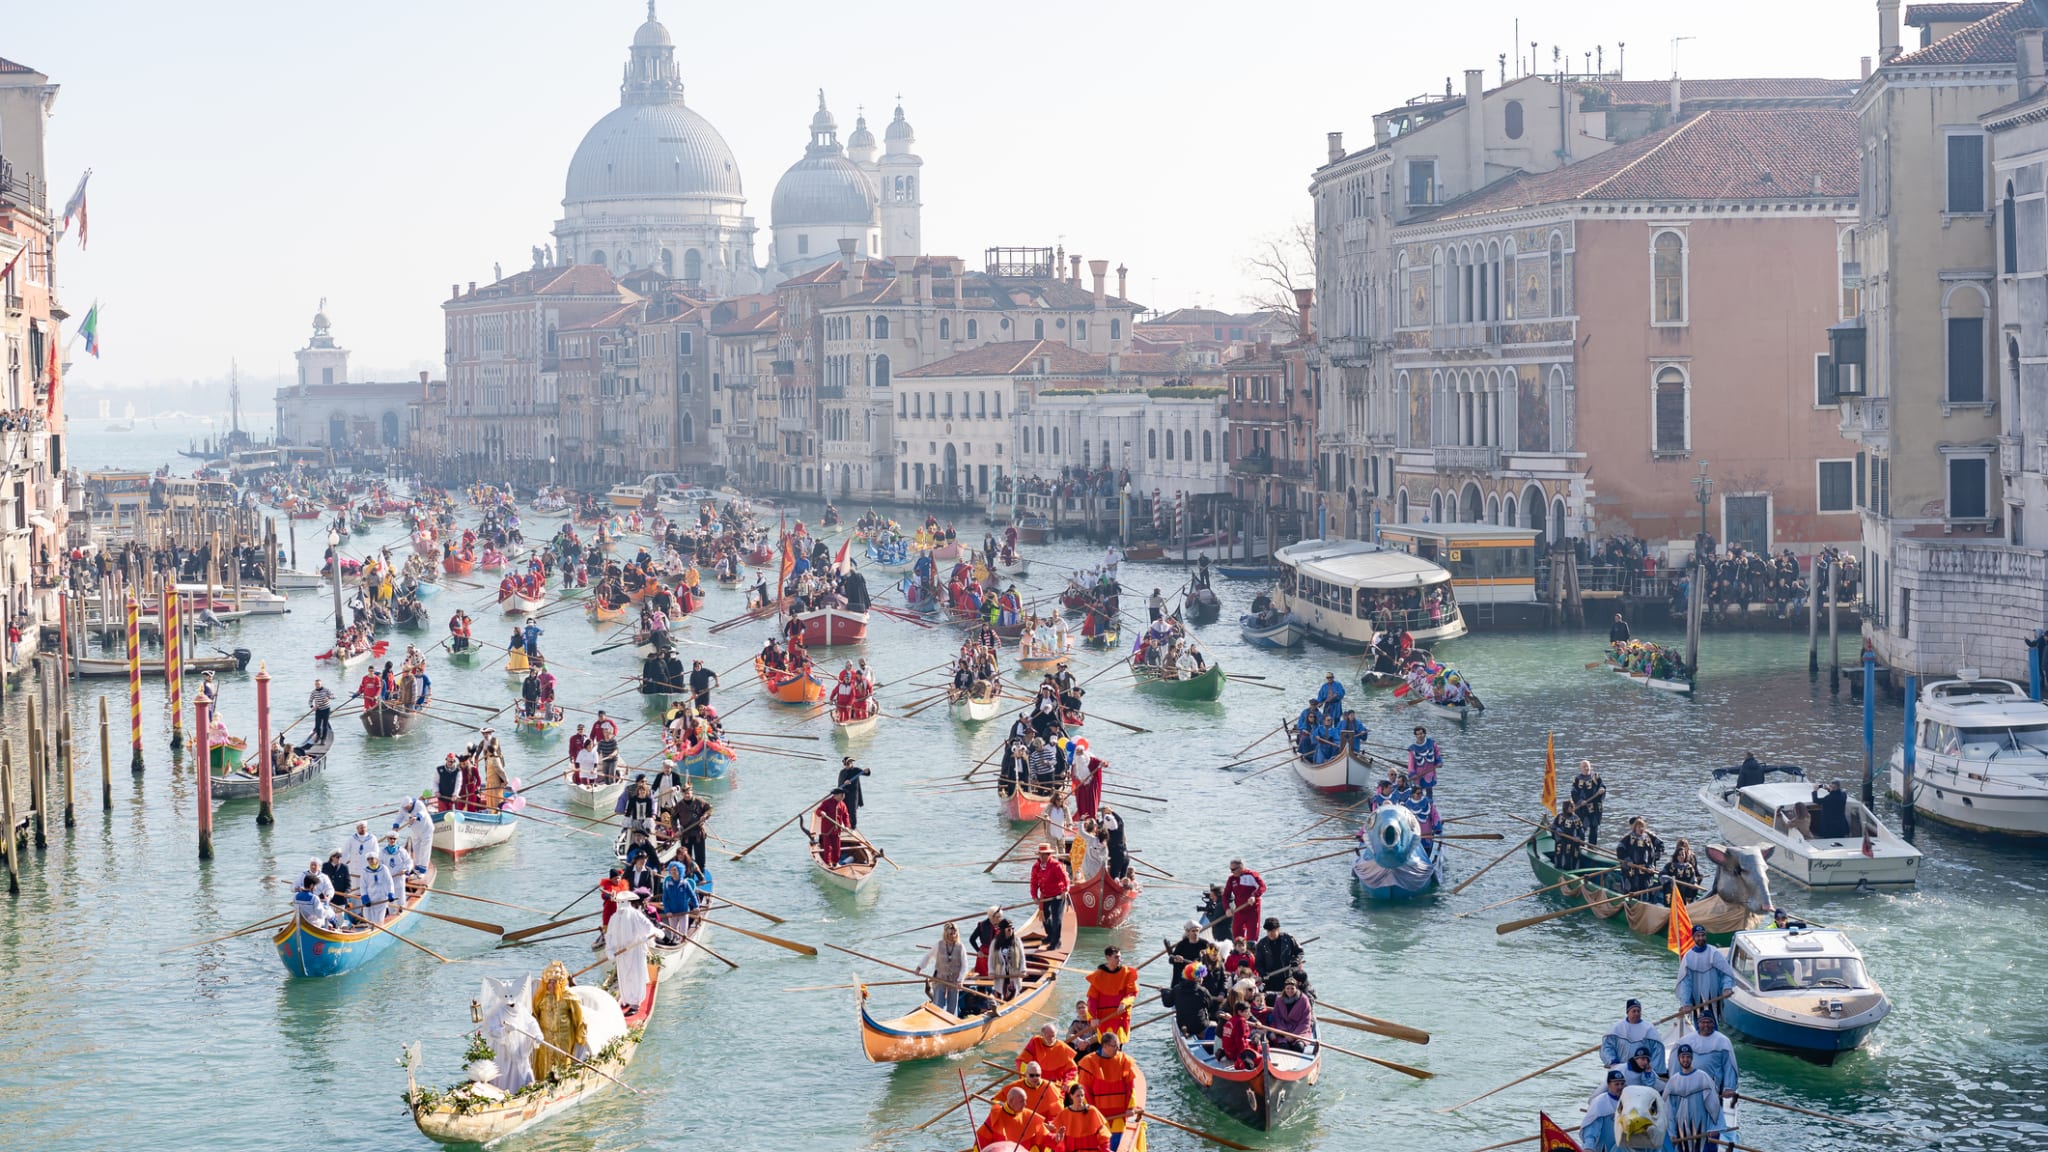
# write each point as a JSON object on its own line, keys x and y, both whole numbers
{"x": 627, "y": 942}
{"x": 416, "y": 824}
{"x": 359, "y": 849}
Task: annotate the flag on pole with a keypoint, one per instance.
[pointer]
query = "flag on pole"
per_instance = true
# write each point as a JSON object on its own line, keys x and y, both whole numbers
{"x": 1551, "y": 1138}
{"x": 1549, "y": 772}
{"x": 90, "y": 329}
{"x": 50, "y": 410}
{"x": 15, "y": 259}
{"x": 76, "y": 207}
{"x": 839, "y": 561}
{"x": 1678, "y": 931}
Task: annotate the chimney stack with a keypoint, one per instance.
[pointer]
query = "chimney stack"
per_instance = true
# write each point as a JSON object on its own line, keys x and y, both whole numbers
{"x": 847, "y": 282}
{"x": 1122, "y": 275}
{"x": 1100, "y": 270}
{"x": 455, "y": 291}
{"x": 1677, "y": 98}
{"x": 1475, "y": 129}
{"x": 472, "y": 287}
{"x": 1866, "y": 67}
{"x": 1336, "y": 147}
{"x": 2031, "y": 77}
{"x": 423, "y": 383}
{"x": 1302, "y": 299}
{"x": 1074, "y": 274}
{"x": 1887, "y": 31}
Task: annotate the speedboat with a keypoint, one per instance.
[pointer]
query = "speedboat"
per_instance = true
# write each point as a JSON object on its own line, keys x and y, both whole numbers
{"x": 1803, "y": 990}
{"x": 1979, "y": 757}
{"x": 1781, "y": 816}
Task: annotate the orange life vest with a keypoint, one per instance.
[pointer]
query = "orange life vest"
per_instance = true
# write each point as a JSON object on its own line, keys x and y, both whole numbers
{"x": 1107, "y": 992}
{"x": 1021, "y": 1128}
{"x": 1055, "y": 1060}
{"x": 1110, "y": 1081}
{"x": 1081, "y": 1129}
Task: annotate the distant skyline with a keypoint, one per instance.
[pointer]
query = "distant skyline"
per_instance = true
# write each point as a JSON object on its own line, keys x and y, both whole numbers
{"x": 250, "y": 159}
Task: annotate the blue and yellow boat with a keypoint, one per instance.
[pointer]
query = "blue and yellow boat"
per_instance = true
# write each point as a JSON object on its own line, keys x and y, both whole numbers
{"x": 309, "y": 951}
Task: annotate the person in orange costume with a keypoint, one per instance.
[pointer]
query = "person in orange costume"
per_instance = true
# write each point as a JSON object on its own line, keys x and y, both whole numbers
{"x": 1010, "y": 1122}
{"x": 1040, "y": 1095}
{"x": 1079, "y": 1125}
{"x": 1112, "y": 1083}
{"x": 1054, "y": 1056}
{"x": 1112, "y": 989}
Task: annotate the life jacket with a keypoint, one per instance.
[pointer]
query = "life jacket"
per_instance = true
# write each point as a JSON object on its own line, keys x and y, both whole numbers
{"x": 1110, "y": 1082}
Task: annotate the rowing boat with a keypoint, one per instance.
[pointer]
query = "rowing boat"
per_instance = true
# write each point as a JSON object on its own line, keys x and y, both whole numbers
{"x": 604, "y": 613}
{"x": 457, "y": 833}
{"x": 1204, "y": 685}
{"x": 310, "y": 951}
{"x": 677, "y": 958}
{"x": 790, "y": 687}
{"x": 538, "y": 724}
{"x": 1338, "y": 775}
{"x": 600, "y": 798}
{"x": 710, "y": 761}
{"x": 975, "y": 709}
{"x": 518, "y": 605}
{"x": 1024, "y": 805}
{"x": 929, "y": 1030}
{"x": 857, "y": 726}
{"x": 1281, "y": 631}
{"x": 1643, "y": 917}
{"x": 469, "y": 1115}
{"x": 856, "y": 864}
{"x": 1393, "y": 861}
{"x": 1103, "y": 901}
{"x": 831, "y": 627}
{"x": 245, "y": 785}
{"x": 387, "y": 719}
{"x": 1260, "y": 1097}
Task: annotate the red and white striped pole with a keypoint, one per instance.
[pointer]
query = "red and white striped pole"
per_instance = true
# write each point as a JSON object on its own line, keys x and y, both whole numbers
{"x": 134, "y": 682}
{"x": 263, "y": 765}
{"x": 205, "y": 790}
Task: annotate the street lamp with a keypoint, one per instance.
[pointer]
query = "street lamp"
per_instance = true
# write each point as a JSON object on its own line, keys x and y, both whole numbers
{"x": 334, "y": 574}
{"x": 551, "y": 472}
{"x": 1702, "y": 490}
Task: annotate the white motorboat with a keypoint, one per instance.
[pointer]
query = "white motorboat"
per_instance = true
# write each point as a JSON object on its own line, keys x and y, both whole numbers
{"x": 289, "y": 580}
{"x": 1344, "y": 592}
{"x": 1980, "y": 757}
{"x": 1277, "y": 630}
{"x": 254, "y": 601}
{"x": 1804, "y": 990}
{"x": 458, "y": 833}
{"x": 598, "y": 798}
{"x": 1781, "y": 817}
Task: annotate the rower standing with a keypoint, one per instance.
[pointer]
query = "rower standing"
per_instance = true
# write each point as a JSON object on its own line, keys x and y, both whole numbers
{"x": 1618, "y": 634}
{"x": 1588, "y": 797}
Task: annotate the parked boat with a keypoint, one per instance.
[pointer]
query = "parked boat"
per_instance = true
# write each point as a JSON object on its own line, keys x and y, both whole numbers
{"x": 244, "y": 784}
{"x": 1802, "y": 990}
{"x": 1281, "y": 630}
{"x": 153, "y": 666}
{"x": 464, "y": 1115}
{"x": 310, "y": 951}
{"x": 628, "y": 496}
{"x": 1260, "y": 1097}
{"x": 1394, "y": 862}
{"x": 1204, "y": 685}
{"x": 928, "y": 1030}
{"x": 790, "y": 687}
{"x": 1979, "y": 757}
{"x": 288, "y": 580}
{"x": 458, "y": 833}
{"x": 257, "y": 601}
{"x": 1781, "y": 817}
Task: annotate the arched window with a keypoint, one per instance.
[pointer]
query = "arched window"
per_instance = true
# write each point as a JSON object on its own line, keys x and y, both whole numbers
{"x": 1667, "y": 278}
{"x": 689, "y": 429}
{"x": 917, "y": 404}
{"x": 1672, "y": 429}
{"x": 881, "y": 327}
{"x": 973, "y": 329}
{"x": 1187, "y": 445}
{"x": 1041, "y": 440}
{"x": 1055, "y": 440}
{"x": 1557, "y": 521}
{"x": 1169, "y": 444}
{"x": 1087, "y": 453}
{"x": 1208, "y": 447}
{"x": 945, "y": 327}
{"x": 1436, "y": 507}
{"x": 1151, "y": 444}
{"x": 597, "y": 256}
{"x": 1532, "y": 507}
{"x": 390, "y": 429}
{"x": 1492, "y": 509}
{"x": 668, "y": 262}
{"x": 1964, "y": 308}
{"x": 1507, "y": 512}
{"x": 881, "y": 371}
{"x": 1401, "y": 506}
{"x": 1513, "y": 113}
{"x": 1038, "y": 329}
{"x": 693, "y": 265}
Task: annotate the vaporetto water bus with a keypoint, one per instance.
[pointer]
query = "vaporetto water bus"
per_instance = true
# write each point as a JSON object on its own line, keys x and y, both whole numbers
{"x": 1346, "y": 591}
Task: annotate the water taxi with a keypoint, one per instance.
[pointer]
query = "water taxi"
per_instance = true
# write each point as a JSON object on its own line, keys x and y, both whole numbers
{"x": 1802, "y": 990}
{"x": 1781, "y": 816}
{"x": 1979, "y": 757}
{"x": 628, "y": 496}
{"x": 1344, "y": 592}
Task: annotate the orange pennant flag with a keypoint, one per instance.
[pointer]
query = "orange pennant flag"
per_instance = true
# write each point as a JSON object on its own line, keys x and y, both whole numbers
{"x": 1551, "y": 1138}
{"x": 1550, "y": 773}
{"x": 1678, "y": 933}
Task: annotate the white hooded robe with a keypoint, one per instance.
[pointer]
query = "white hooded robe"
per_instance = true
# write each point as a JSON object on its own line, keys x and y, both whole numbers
{"x": 627, "y": 942}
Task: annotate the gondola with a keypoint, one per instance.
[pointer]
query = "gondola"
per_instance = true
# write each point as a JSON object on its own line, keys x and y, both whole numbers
{"x": 1103, "y": 901}
{"x": 309, "y": 951}
{"x": 1023, "y": 805}
{"x": 1203, "y": 607}
{"x": 861, "y": 859}
{"x": 928, "y": 1030}
{"x": 975, "y": 709}
{"x": 1262, "y": 1097}
{"x": 386, "y": 719}
{"x": 245, "y": 785}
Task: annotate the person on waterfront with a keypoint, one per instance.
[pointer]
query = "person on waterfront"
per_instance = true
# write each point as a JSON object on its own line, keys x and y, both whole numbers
{"x": 948, "y": 961}
{"x": 1638, "y": 853}
{"x": 1242, "y": 893}
{"x": 1628, "y": 1034}
{"x": 1596, "y": 1131}
{"x": 322, "y": 703}
{"x": 1692, "y": 1105}
{"x": 1589, "y": 795}
{"x": 1704, "y": 974}
{"x": 627, "y": 941}
{"x": 1424, "y": 758}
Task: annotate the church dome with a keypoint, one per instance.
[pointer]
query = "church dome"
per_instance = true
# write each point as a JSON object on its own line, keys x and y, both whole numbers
{"x": 652, "y": 151}
{"x": 899, "y": 129}
{"x": 861, "y": 138}
{"x": 826, "y": 189}
{"x": 652, "y": 35}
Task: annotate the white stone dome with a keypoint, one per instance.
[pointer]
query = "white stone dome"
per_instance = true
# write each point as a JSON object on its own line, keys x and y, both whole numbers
{"x": 828, "y": 189}
{"x": 652, "y": 151}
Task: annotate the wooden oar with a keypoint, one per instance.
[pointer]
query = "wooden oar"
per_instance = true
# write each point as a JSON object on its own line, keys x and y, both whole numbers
{"x": 1518, "y": 925}
{"x": 1028, "y": 833}
{"x": 772, "y": 831}
{"x": 1234, "y": 679}
{"x": 1313, "y": 859}
{"x": 874, "y": 959}
{"x": 1261, "y": 772}
{"x": 1574, "y": 878}
{"x": 1467, "y": 882}
{"x": 402, "y": 940}
{"x": 1256, "y": 759}
{"x": 1214, "y": 1139}
{"x": 779, "y": 942}
{"x": 853, "y": 984}
{"x": 724, "y": 899}
{"x": 772, "y": 735}
{"x": 525, "y": 933}
{"x": 1377, "y": 1027}
{"x": 1259, "y": 741}
{"x": 1561, "y": 1063}
{"x": 276, "y": 921}
{"x": 955, "y": 920}
{"x": 541, "y": 939}
{"x": 1403, "y": 1069}
{"x": 693, "y": 942}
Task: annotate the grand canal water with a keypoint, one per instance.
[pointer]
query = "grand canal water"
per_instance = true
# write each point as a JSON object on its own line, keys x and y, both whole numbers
{"x": 110, "y": 1040}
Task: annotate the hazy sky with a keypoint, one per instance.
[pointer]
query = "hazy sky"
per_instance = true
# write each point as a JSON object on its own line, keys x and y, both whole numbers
{"x": 250, "y": 158}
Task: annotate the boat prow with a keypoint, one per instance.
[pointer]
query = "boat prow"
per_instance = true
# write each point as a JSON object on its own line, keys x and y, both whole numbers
{"x": 1262, "y": 1097}
{"x": 928, "y": 1030}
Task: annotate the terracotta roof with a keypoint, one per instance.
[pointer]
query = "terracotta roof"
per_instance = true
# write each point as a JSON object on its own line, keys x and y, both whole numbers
{"x": 1013, "y": 358}
{"x": 1718, "y": 155}
{"x": 1920, "y": 15}
{"x": 569, "y": 280}
{"x": 1988, "y": 41}
{"x": 623, "y": 314}
{"x": 1715, "y": 89}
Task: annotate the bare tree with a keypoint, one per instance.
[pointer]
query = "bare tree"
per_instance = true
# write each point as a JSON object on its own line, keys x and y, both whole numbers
{"x": 1282, "y": 262}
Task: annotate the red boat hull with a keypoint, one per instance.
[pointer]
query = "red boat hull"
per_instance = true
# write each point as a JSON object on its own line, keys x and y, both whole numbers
{"x": 833, "y": 628}
{"x": 1101, "y": 902}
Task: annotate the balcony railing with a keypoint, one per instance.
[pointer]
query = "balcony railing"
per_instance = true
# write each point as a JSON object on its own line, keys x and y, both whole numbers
{"x": 831, "y": 391}
{"x": 1474, "y": 335}
{"x": 1468, "y": 458}
{"x": 1253, "y": 466}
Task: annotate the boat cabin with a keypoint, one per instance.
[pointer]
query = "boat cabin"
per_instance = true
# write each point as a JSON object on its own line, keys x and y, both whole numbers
{"x": 1799, "y": 960}
{"x": 1790, "y": 808}
{"x": 1982, "y": 720}
{"x": 1346, "y": 591}
{"x": 1488, "y": 564}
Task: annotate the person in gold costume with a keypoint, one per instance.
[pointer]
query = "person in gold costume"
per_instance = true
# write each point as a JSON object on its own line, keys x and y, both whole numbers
{"x": 561, "y": 1021}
